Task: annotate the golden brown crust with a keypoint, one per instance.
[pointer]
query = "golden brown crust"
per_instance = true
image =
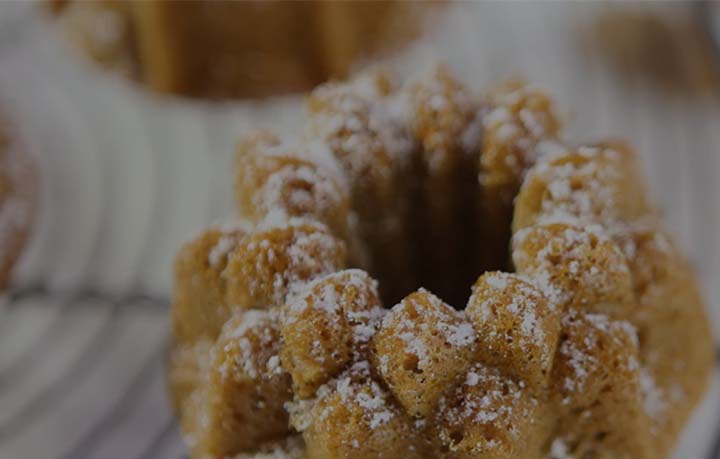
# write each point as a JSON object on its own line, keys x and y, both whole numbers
{"x": 517, "y": 327}
{"x": 276, "y": 180}
{"x": 597, "y": 183}
{"x": 269, "y": 265}
{"x": 673, "y": 328}
{"x": 199, "y": 306}
{"x": 274, "y": 177}
{"x": 420, "y": 350}
{"x": 329, "y": 326}
{"x": 226, "y": 373}
{"x": 597, "y": 382}
{"x": 488, "y": 415}
{"x": 581, "y": 267}
{"x": 241, "y": 401}
{"x": 519, "y": 117}
{"x": 356, "y": 418}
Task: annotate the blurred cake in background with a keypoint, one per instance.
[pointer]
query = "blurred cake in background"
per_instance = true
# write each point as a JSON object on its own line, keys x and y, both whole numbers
{"x": 17, "y": 199}
{"x": 668, "y": 51}
{"x": 212, "y": 49}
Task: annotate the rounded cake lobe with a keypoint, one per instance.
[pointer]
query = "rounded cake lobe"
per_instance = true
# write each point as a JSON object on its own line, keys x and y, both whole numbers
{"x": 674, "y": 331}
{"x": 517, "y": 327}
{"x": 242, "y": 386}
{"x": 240, "y": 403}
{"x": 440, "y": 115}
{"x": 199, "y": 289}
{"x": 597, "y": 382}
{"x": 327, "y": 327}
{"x": 346, "y": 117}
{"x": 577, "y": 267}
{"x": 519, "y": 117}
{"x": 488, "y": 416}
{"x": 355, "y": 417}
{"x": 598, "y": 184}
{"x": 422, "y": 347}
{"x": 272, "y": 263}
{"x": 297, "y": 181}
{"x": 188, "y": 365}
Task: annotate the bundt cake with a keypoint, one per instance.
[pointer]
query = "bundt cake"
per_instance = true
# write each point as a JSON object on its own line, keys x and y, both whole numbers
{"x": 17, "y": 198}
{"x": 206, "y": 48}
{"x": 587, "y": 340}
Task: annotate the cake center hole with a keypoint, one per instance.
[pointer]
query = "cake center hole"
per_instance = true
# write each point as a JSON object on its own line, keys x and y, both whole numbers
{"x": 451, "y": 233}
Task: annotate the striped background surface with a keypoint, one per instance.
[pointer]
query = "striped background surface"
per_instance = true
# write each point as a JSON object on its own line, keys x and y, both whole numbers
{"x": 128, "y": 176}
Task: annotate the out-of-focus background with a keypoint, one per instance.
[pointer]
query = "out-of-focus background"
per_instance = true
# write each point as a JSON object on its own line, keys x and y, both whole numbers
{"x": 129, "y": 173}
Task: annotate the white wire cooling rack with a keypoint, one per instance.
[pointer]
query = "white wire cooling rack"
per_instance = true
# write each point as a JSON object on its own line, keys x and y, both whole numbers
{"x": 127, "y": 176}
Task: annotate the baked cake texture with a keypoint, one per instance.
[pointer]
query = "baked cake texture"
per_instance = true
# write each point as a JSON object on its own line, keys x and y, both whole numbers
{"x": 206, "y": 48}
{"x": 18, "y": 185}
{"x": 587, "y": 340}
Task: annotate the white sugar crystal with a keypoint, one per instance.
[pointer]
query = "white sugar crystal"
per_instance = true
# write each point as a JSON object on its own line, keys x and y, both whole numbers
{"x": 380, "y": 418}
{"x": 220, "y": 251}
{"x": 460, "y": 335}
{"x": 250, "y": 319}
{"x": 498, "y": 116}
{"x": 497, "y": 281}
{"x": 273, "y": 365}
{"x": 472, "y": 379}
{"x": 653, "y": 397}
{"x": 531, "y": 122}
{"x": 559, "y": 450}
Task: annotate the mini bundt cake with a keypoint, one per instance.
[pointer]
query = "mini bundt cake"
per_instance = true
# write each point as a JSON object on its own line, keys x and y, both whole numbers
{"x": 587, "y": 340}
{"x": 250, "y": 48}
{"x": 17, "y": 198}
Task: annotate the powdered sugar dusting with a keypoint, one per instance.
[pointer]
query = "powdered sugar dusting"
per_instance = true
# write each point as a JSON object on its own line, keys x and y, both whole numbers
{"x": 253, "y": 331}
{"x": 653, "y": 398}
{"x": 487, "y": 398}
{"x": 442, "y": 115}
{"x": 519, "y": 118}
{"x": 559, "y": 450}
{"x": 312, "y": 249}
{"x": 220, "y": 251}
{"x": 412, "y": 330}
{"x": 580, "y": 353}
{"x": 354, "y": 389}
{"x": 359, "y": 127}
{"x": 305, "y": 180}
{"x": 325, "y": 295}
{"x": 584, "y": 184}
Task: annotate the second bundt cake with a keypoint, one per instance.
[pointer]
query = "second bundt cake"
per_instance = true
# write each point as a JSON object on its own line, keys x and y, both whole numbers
{"x": 18, "y": 189}
{"x": 237, "y": 49}
{"x": 588, "y": 340}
